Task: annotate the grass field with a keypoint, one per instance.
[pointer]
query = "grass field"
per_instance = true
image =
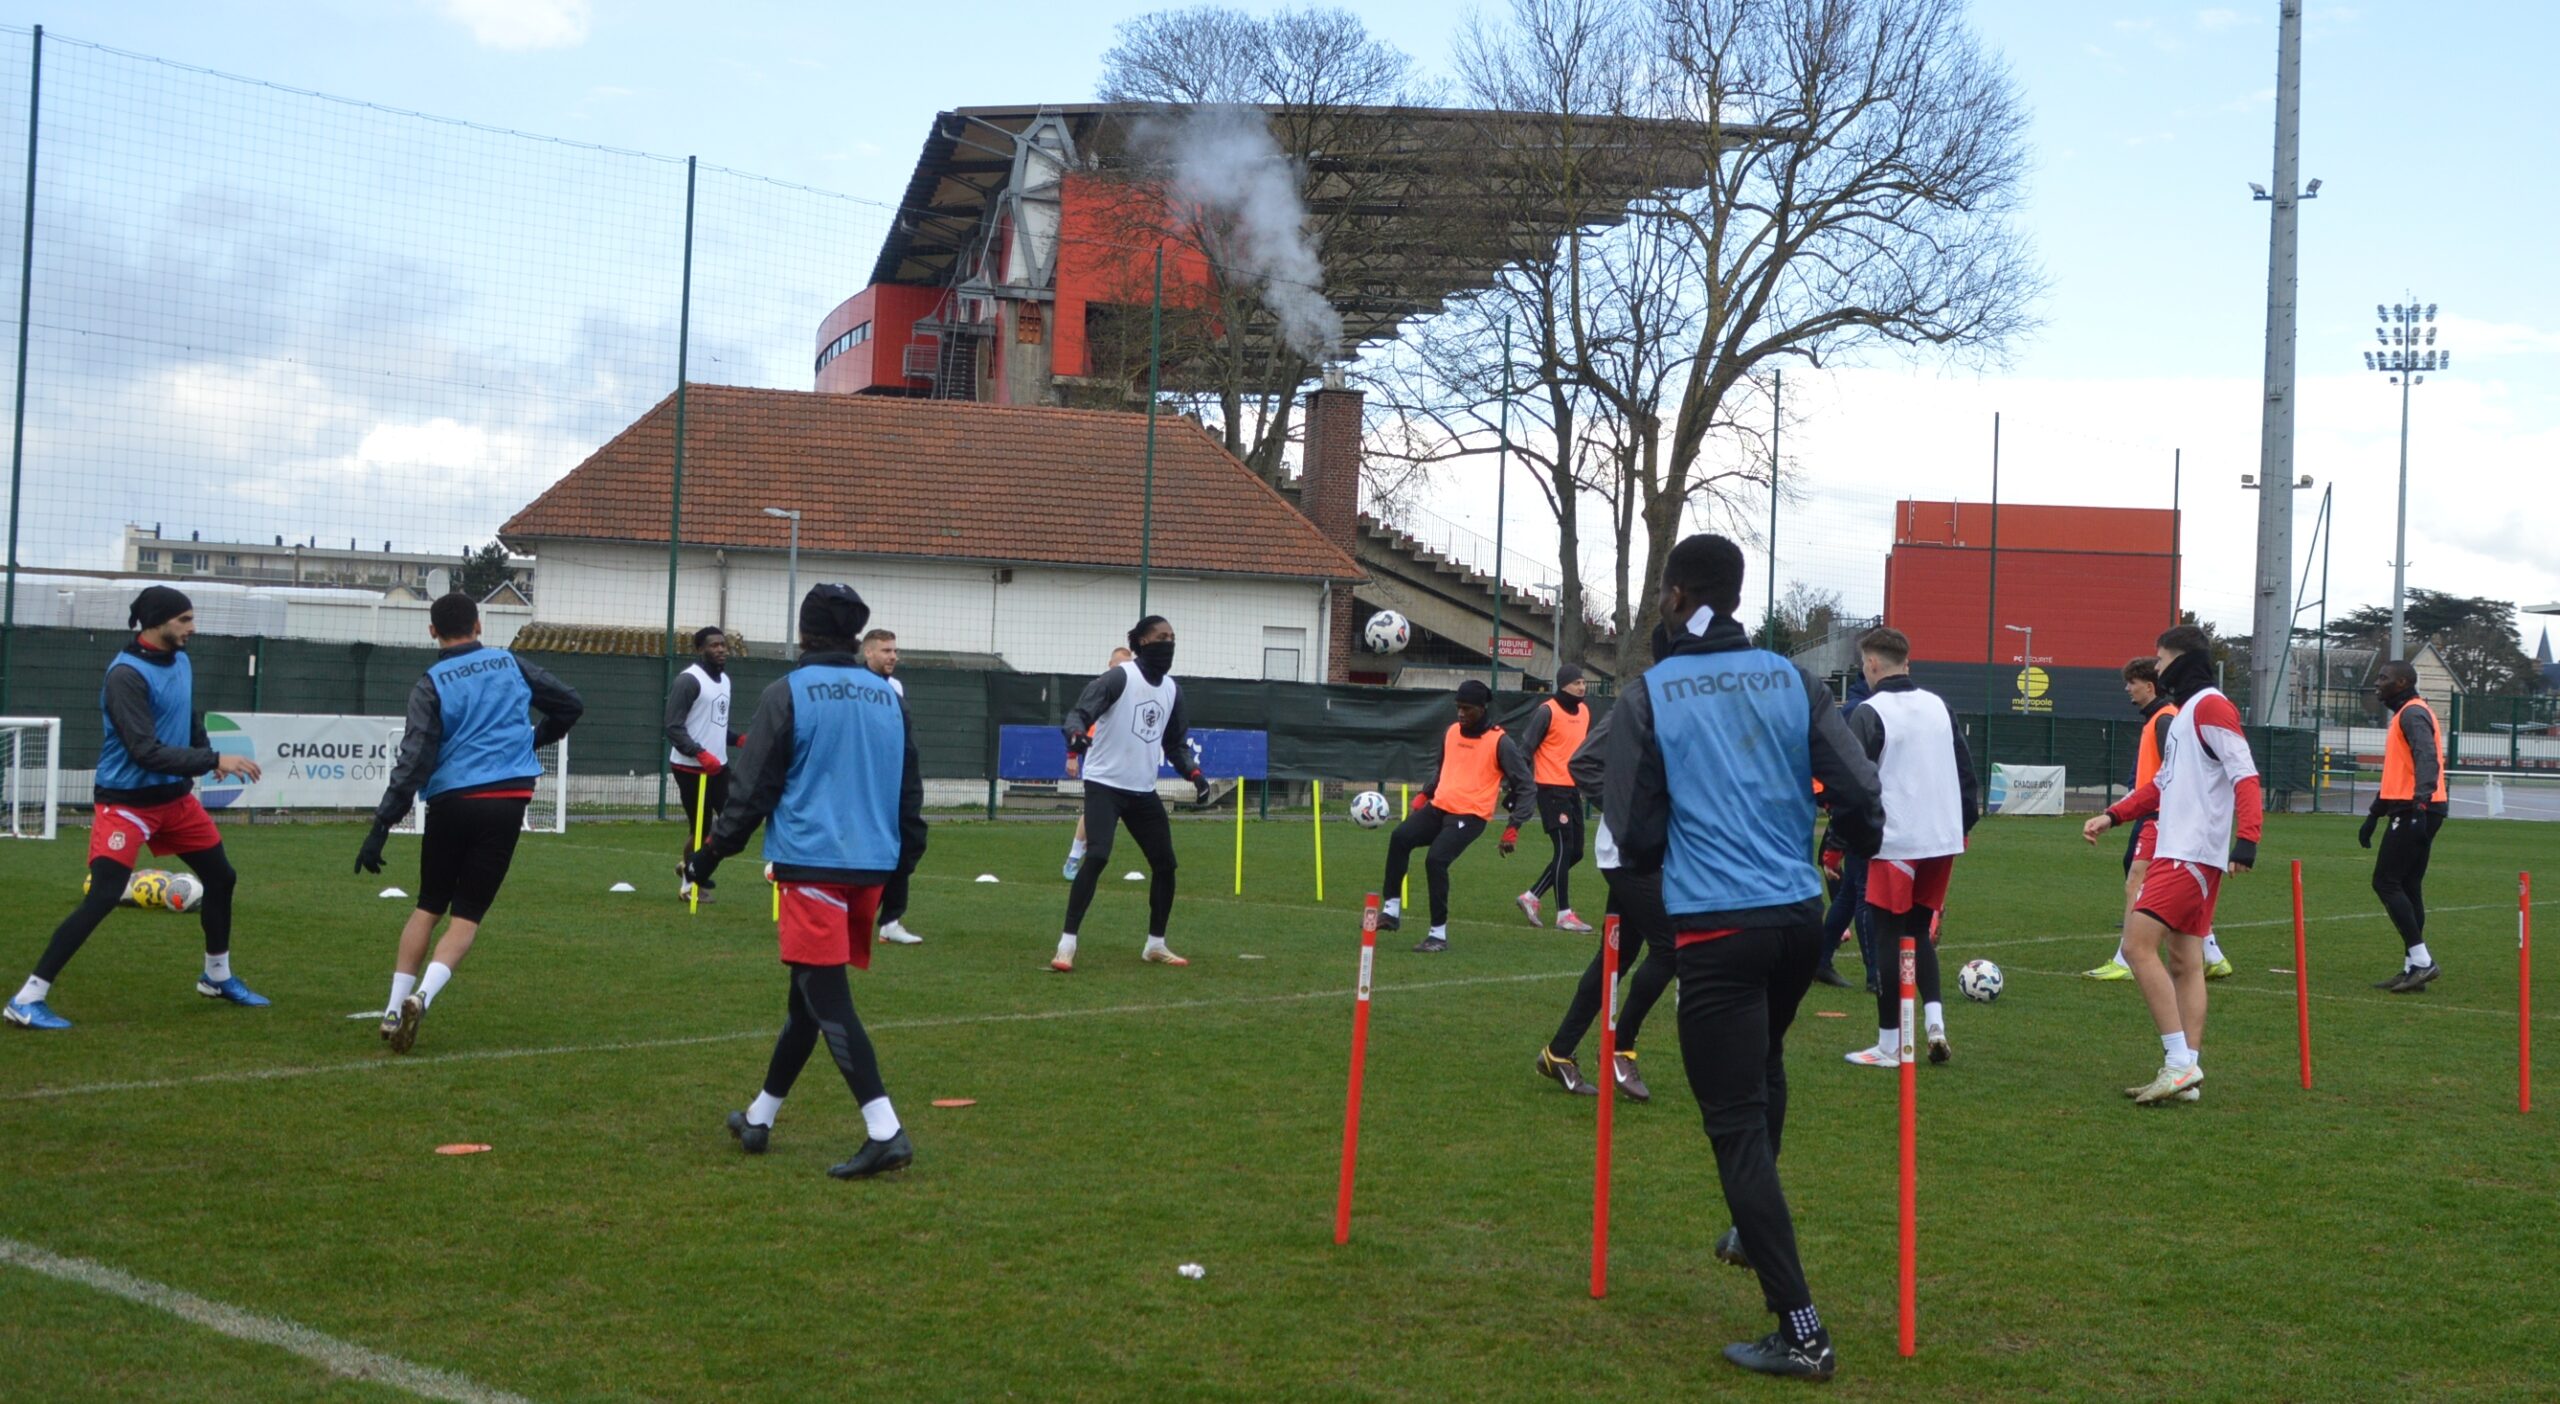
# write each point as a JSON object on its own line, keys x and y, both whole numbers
{"x": 2387, "y": 1236}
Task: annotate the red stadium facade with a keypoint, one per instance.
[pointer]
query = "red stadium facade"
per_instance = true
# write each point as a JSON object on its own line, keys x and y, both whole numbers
{"x": 2095, "y": 585}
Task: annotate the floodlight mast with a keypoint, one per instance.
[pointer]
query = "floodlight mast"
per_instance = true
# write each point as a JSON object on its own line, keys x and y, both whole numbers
{"x": 2407, "y": 333}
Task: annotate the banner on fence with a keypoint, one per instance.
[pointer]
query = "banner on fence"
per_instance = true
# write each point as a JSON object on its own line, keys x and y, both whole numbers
{"x": 2026, "y": 789}
{"x": 305, "y": 762}
{"x": 1040, "y": 753}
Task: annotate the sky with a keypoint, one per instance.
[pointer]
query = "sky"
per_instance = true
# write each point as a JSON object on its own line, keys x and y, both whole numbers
{"x": 2148, "y": 122}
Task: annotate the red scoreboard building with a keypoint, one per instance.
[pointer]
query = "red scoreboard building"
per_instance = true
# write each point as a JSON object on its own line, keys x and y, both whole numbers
{"x": 2089, "y": 586}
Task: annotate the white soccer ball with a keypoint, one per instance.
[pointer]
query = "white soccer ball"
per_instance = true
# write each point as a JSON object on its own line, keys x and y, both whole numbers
{"x": 1980, "y": 980}
{"x": 183, "y": 893}
{"x": 1369, "y": 809}
{"x": 1387, "y": 632}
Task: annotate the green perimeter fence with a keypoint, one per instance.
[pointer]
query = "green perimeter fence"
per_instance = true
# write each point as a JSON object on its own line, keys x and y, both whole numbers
{"x": 1317, "y": 731}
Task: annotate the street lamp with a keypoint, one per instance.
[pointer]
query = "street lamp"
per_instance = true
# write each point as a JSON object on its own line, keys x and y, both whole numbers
{"x": 2408, "y": 336}
{"x": 2027, "y": 659}
{"x": 791, "y": 590}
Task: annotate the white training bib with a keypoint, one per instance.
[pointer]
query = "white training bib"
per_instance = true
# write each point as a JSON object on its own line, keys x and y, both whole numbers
{"x": 1128, "y": 740}
{"x": 1923, "y": 795}
{"x": 708, "y": 722}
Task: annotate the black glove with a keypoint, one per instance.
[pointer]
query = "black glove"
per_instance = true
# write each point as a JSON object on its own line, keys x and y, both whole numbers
{"x": 1199, "y": 788}
{"x": 2364, "y": 836}
{"x": 699, "y": 865}
{"x": 2244, "y": 853}
{"x": 1077, "y": 742}
{"x": 369, "y": 857}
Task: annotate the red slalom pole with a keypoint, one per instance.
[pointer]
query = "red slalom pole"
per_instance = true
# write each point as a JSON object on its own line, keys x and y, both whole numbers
{"x": 1359, "y": 1060}
{"x": 1608, "y": 1104}
{"x": 2524, "y": 992}
{"x": 1910, "y": 1284}
{"x": 2301, "y": 979}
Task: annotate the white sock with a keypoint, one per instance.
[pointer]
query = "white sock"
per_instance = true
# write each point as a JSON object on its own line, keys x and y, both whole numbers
{"x": 2212, "y": 950}
{"x": 878, "y": 1119}
{"x": 1155, "y": 943}
{"x": 2418, "y": 957}
{"x": 33, "y": 991}
{"x": 1076, "y": 849}
{"x": 437, "y": 973}
{"x": 1934, "y": 1015}
{"x": 765, "y": 1108}
{"x": 217, "y": 968}
{"x": 402, "y": 986}
{"x": 2119, "y": 959}
{"x": 2175, "y": 1052}
{"x": 1067, "y": 946}
{"x": 1395, "y": 908}
{"x": 1439, "y": 933}
{"x": 1889, "y": 1042}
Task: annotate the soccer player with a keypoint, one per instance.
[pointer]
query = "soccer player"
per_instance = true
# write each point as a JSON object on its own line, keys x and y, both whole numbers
{"x": 1120, "y": 726}
{"x": 2142, "y": 689}
{"x": 1712, "y": 757}
{"x": 468, "y": 748}
{"x": 154, "y": 746}
{"x": 2206, "y": 789}
{"x": 831, "y": 760}
{"x": 1550, "y": 735}
{"x": 1075, "y": 770}
{"x": 699, "y": 738}
{"x": 1642, "y": 931}
{"x": 1930, "y": 805}
{"x": 880, "y": 655}
{"x": 1478, "y": 764}
{"x": 2412, "y": 765}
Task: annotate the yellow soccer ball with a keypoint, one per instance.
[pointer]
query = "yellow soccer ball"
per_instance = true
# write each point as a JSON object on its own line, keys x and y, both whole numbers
{"x": 149, "y": 888}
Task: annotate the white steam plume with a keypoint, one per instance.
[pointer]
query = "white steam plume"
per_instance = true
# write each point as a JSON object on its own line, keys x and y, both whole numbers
{"x": 1225, "y": 161}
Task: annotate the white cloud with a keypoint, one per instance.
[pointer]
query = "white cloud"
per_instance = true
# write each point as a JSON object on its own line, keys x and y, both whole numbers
{"x": 522, "y": 24}
{"x": 2213, "y": 20}
{"x": 2480, "y": 338}
{"x": 439, "y": 443}
{"x": 2256, "y": 101}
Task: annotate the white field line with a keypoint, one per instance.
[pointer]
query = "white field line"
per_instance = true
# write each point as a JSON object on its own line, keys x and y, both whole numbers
{"x": 497, "y": 1055}
{"x": 341, "y": 1358}
{"x": 2418, "y": 1004}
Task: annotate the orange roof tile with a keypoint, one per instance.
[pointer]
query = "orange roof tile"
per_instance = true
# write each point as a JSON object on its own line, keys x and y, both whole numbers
{"x": 935, "y": 478}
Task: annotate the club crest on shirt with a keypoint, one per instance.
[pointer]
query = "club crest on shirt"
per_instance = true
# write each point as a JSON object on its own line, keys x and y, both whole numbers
{"x": 1150, "y": 721}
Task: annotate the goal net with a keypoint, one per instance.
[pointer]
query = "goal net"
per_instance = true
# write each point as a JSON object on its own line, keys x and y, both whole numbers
{"x": 31, "y": 748}
{"x": 549, "y": 812}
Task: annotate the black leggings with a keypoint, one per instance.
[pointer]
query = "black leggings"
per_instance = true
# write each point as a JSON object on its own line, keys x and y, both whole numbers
{"x": 822, "y": 1003}
{"x": 107, "y": 879}
{"x": 689, "y": 788}
{"x": 893, "y": 898}
{"x": 1890, "y": 928}
{"x": 1446, "y": 835}
{"x": 1738, "y": 994}
{"x": 1560, "y": 811}
{"x": 2400, "y": 872}
{"x": 1105, "y": 810}
{"x": 1643, "y": 931}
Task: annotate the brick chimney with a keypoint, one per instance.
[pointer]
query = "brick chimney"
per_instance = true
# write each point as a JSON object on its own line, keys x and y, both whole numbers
{"x": 1329, "y": 494}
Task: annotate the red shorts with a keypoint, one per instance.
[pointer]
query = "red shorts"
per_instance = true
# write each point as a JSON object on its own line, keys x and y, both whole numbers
{"x": 121, "y": 831}
{"x": 828, "y": 923}
{"x": 1899, "y": 884}
{"x": 2180, "y": 894}
{"x": 2146, "y": 840}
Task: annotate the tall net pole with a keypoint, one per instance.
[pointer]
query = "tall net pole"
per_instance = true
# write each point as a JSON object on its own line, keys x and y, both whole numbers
{"x": 675, "y": 498}
{"x": 18, "y": 425}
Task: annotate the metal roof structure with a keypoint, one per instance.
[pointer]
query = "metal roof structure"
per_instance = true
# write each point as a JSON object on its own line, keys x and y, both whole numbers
{"x": 1406, "y": 176}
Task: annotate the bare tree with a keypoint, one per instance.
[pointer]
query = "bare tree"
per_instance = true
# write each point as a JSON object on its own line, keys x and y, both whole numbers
{"x": 1313, "y": 72}
{"x": 1864, "y": 160}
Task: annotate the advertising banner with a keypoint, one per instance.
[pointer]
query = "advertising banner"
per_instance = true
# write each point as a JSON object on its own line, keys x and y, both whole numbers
{"x": 305, "y": 762}
{"x": 2026, "y": 789}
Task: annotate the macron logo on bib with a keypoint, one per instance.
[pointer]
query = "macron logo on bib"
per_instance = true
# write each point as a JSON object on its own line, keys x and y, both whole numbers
{"x": 847, "y": 692}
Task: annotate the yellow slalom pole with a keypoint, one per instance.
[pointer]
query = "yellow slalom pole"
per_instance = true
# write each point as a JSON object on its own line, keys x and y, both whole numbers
{"x": 701, "y": 806}
{"x": 1239, "y": 836}
{"x": 1404, "y": 803}
{"x": 1315, "y": 807}
{"x": 776, "y": 885}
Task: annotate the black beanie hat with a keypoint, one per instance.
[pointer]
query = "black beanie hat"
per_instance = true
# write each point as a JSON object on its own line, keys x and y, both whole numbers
{"x": 833, "y": 611}
{"x": 157, "y": 606}
{"x": 1473, "y": 690}
{"x": 1567, "y": 673}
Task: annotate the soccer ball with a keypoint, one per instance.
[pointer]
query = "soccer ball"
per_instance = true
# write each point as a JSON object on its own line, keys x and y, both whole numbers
{"x": 1387, "y": 632}
{"x": 1369, "y": 809}
{"x": 183, "y": 892}
{"x": 149, "y": 888}
{"x": 1980, "y": 980}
